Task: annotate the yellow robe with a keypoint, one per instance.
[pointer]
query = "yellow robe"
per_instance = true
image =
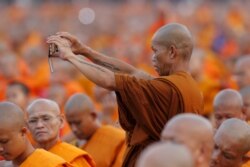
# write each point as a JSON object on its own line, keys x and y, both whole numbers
{"x": 107, "y": 146}
{"x": 42, "y": 158}
{"x": 73, "y": 155}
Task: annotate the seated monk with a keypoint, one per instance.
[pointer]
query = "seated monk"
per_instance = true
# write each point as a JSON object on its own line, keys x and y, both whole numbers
{"x": 44, "y": 122}
{"x": 14, "y": 144}
{"x": 227, "y": 104}
{"x": 163, "y": 154}
{"x": 193, "y": 131}
{"x": 106, "y": 144}
{"x": 231, "y": 143}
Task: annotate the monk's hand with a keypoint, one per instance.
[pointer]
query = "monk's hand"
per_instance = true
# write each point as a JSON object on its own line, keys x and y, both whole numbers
{"x": 63, "y": 45}
{"x": 76, "y": 46}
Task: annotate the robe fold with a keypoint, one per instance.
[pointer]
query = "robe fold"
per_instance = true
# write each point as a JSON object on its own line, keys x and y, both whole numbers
{"x": 145, "y": 106}
{"x": 75, "y": 156}
{"x": 42, "y": 158}
{"x": 107, "y": 146}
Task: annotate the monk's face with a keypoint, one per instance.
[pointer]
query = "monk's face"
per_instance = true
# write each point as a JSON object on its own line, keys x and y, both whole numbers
{"x": 223, "y": 113}
{"x": 226, "y": 152}
{"x": 14, "y": 94}
{"x": 12, "y": 143}
{"x": 242, "y": 75}
{"x": 161, "y": 58}
{"x": 44, "y": 124}
{"x": 80, "y": 123}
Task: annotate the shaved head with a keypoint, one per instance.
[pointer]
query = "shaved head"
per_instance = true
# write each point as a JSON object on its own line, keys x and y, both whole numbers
{"x": 81, "y": 116}
{"x": 165, "y": 155}
{"x": 178, "y": 35}
{"x": 242, "y": 71}
{"x": 231, "y": 143}
{"x": 227, "y": 104}
{"x": 193, "y": 131}
{"x": 245, "y": 93}
{"x": 10, "y": 110}
{"x": 79, "y": 100}
{"x": 43, "y": 104}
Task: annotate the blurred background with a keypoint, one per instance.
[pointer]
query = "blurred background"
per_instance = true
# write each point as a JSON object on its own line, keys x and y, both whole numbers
{"x": 121, "y": 29}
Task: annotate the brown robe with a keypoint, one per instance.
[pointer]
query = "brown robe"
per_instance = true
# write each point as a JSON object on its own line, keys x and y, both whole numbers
{"x": 146, "y": 105}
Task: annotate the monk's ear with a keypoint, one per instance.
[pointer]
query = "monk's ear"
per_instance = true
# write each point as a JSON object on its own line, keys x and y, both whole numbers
{"x": 24, "y": 130}
{"x": 93, "y": 115}
{"x": 172, "y": 51}
{"x": 62, "y": 120}
{"x": 244, "y": 116}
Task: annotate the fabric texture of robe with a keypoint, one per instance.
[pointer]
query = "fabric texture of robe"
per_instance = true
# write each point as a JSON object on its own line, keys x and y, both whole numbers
{"x": 75, "y": 156}
{"x": 145, "y": 106}
{"x": 107, "y": 146}
{"x": 42, "y": 158}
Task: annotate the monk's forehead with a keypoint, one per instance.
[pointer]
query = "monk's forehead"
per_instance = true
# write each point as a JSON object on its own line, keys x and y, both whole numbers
{"x": 43, "y": 107}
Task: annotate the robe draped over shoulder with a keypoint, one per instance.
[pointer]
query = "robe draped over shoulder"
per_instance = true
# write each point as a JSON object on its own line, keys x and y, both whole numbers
{"x": 145, "y": 106}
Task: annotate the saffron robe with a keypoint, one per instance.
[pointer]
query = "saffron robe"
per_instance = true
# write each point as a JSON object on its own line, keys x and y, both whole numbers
{"x": 42, "y": 158}
{"x": 75, "y": 156}
{"x": 106, "y": 146}
{"x": 145, "y": 106}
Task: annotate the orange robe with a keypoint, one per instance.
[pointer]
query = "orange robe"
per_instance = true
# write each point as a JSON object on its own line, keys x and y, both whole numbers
{"x": 106, "y": 146}
{"x": 72, "y": 154}
{"x": 42, "y": 158}
{"x": 145, "y": 106}
{"x": 247, "y": 164}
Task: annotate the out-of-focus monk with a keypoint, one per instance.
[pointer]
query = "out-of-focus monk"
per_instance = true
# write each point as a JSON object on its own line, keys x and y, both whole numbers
{"x": 245, "y": 93}
{"x": 165, "y": 155}
{"x": 14, "y": 144}
{"x": 193, "y": 131}
{"x": 242, "y": 71}
{"x": 18, "y": 93}
{"x": 44, "y": 122}
{"x": 231, "y": 144}
{"x": 227, "y": 104}
{"x": 106, "y": 144}
{"x": 145, "y": 103}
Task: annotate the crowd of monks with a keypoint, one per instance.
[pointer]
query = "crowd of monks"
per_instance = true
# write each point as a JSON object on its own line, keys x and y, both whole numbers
{"x": 65, "y": 118}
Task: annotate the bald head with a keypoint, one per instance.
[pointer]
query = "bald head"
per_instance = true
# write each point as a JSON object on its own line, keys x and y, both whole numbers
{"x": 236, "y": 131}
{"x": 79, "y": 102}
{"x": 231, "y": 143}
{"x": 177, "y": 35}
{"x": 165, "y": 155}
{"x": 242, "y": 71}
{"x": 10, "y": 110}
{"x": 40, "y": 105}
{"x": 193, "y": 131}
{"x": 81, "y": 116}
{"x": 228, "y": 103}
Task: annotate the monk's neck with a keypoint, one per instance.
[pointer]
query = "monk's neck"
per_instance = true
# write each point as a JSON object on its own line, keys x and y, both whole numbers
{"x": 21, "y": 158}
{"x": 49, "y": 144}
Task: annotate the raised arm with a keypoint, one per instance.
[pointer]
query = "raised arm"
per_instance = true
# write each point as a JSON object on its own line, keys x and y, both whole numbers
{"x": 108, "y": 62}
{"x": 99, "y": 75}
